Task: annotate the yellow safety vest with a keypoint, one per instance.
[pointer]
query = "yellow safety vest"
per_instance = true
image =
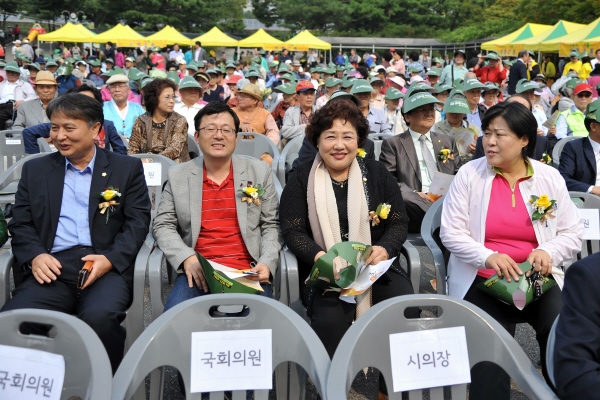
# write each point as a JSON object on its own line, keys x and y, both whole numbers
{"x": 575, "y": 123}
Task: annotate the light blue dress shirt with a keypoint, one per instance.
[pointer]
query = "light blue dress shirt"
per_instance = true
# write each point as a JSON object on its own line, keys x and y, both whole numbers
{"x": 73, "y": 223}
{"x": 378, "y": 121}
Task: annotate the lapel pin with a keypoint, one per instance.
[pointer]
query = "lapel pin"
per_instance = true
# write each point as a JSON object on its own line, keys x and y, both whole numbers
{"x": 104, "y": 174}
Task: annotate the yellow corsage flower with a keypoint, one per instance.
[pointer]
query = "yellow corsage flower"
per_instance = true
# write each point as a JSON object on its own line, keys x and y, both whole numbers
{"x": 361, "y": 153}
{"x": 382, "y": 212}
{"x": 445, "y": 154}
{"x": 109, "y": 195}
{"x": 546, "y": 159}
{"x": 252, "y": 193}
{"x": 543, "y": 208}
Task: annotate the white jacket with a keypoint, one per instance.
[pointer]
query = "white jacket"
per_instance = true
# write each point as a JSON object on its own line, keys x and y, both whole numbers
{"x": 464, "y": 216}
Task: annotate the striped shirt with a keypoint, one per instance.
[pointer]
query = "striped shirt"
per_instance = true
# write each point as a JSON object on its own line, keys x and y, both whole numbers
{"x": 220, "y": 238}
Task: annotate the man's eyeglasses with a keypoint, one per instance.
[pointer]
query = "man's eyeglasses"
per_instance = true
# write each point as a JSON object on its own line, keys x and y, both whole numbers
{"x": 211, "y": 131}
{"x": 584, "y": 94}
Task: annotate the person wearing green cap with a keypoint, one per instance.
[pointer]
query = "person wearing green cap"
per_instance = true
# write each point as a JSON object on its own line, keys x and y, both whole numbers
{"x": 493, "y": 72}
{"x": 574, "y": 64}
{"x": 190, "y": 93}
{"x": 579, "y": 164}
{"x": 13, "y": 92}
{"x": 377, "y": 121}
{"x": 490, "y": 95}
{"x": 392, "y": 112}
{"x": 414, "y": 156}
{"x": 65, "y": 79}
{"x": 440, "y": 92}
{"x": 472, "y": 90}
{"x": 332, "y": 84}
{"x": 456, "y": 126}
{"x": 33, "y": 68}
{"x": 289, "y": 98}
{"x": 527, "y": 89}
{"x": 455, "y": 70}
{"x": 433, "y": 76}
{"x": 95, "y": 73}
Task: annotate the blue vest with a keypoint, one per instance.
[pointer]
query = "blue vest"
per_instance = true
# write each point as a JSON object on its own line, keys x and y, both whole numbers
{"x": 66, "y": 82}
{"x": 123, "y": 127}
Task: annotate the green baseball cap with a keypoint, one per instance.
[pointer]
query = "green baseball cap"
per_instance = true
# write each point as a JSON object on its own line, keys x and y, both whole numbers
{"x": 456, "y": 92}
{"x": 200, "y": 64}
{"x": 94, "y": 63}
{"x": 457, "y": 106}
{"x": 174, "y": 76}
{"x": 415, "y": 68}
{"x": 441, "y": 87}
{"x": 340, "y": 68}
{"x": 375, "y": 79}
{"x": 79, "y": 58}
{"x": 289, "y": 77}
{"x": 214, "y": 72}
{"x": 255, "y": 60}
{"x": 64, "y": 69}
{"x": 188, "y": 82}
{"x": 341, "y": 95}
{"x": 51, "y": 63}
{"x": 434, "y": 71}
{"x": 524, "y": 85}
{"x": 492, "y": 56}
{"x": 146, "y": 81}
{"x": 471, "y": 84}
{"x": 574, "y": 53}
{"x": 347, "y": 81}
{"x": 109, "y": 73}
{"x": 283, "y": 67}
{"x": 251, "y": 73}
{"x": 191, "y": 66}
{"x": 437, "y": 60}
{"x": 393, "y": 94}
{"x": 135, "y": 74}
{"x": 23, "y": 57}
{"x": 331, "y": 82}
{"x": 57, "y": 57}
{"x": 417, "y": 100}
{"x": 12, "y": 67}
{"x": 584, "y": 54}
{"x": 331, "y": 64}
{"x": 458, "y": 83}
{"x": 491, "y": 86}
{"x": 417, "y": 87}
{"x": 361, "y": 86}
{"x": 2, "y": 63}
{"x": 47, "y": 57}
{"x": 329, "y": 70}
{"x": 287, "y": 88}
{"x": 572, "y": 83}
{"x": 531, "y": 53}
{"x": 507, "y": 62}
{"x": 34, "y": 65}
{"x": 271, "y": 65}
{"x": 593, "y": 111}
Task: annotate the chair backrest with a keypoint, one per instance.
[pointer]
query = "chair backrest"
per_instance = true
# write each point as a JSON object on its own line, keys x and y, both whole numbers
{"x": 254, "y": 144}
{"x": 276, "y": 183}
{"x": 288, "y": 155}
{"x": 550, "y": 352}
{"x": 88, "y": 373}
{"x": 167, "y": 341}
{"x": 155, "y": 192}
{"x": 125, "y": 141}
{"x": 587, "y": 201}
{"x": 430, "y": 232}
{"x": 366, "y": 344}
{"x": 13, "y": 173}
{"x": 44, "y": 146}
{"x": 193, "y": 147}
{"x": 12, "y": 148}
{"x": 558, "y": 148}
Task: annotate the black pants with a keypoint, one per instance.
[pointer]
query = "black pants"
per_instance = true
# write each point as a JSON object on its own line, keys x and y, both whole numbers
{"x": 102, "y": 305}
{"x": 331, "y": 317}
{"x": 6, "y": 114}
{"x": 416, "y": 208}
{"x": 489, "y": 381}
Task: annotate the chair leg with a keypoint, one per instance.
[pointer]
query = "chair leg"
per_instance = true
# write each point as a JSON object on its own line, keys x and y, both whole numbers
{"x": 281, "y": 381}
{"x": 157, "y": 383}
{"x": 413, "y": 263}
{"x": 297, "y": 386}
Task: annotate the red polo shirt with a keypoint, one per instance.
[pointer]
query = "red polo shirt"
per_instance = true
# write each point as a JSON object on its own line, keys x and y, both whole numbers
{"x": 220, "y": 238}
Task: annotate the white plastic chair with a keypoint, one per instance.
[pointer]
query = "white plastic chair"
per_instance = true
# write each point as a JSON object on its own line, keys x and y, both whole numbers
{"x": 558, "y": 148}
{"x": 288, "y": 155}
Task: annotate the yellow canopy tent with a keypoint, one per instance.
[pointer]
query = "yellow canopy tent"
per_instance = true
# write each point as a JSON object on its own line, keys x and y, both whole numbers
{"x": 122, "y": 35}
{"x": 167, "y": 35}
{"x": 69, "y": 33}
{"x": 260, "y": 39}
{"x": 535, "y": 43}
{"x": 585, "y": 39}
{"x": 524, "y": 32}
{"x": 216, "y": 38}
{"x": 304, "y": 41}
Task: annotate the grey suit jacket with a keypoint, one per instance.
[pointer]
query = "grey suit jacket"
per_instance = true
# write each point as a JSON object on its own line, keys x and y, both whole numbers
{"x": 30, "y": 113}
{"x": 177, "y": 223}
{"x": 291, "y": 123}
{"x": 399, "y": 156}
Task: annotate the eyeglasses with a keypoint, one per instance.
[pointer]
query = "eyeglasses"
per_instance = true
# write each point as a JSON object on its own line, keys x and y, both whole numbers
{"x": 584, "y": 94}
{"x": 117, "y": 86}
{"x": 168, "y": 98}
{"x": 424, "y": 110}
{"x": 211, "y": 131}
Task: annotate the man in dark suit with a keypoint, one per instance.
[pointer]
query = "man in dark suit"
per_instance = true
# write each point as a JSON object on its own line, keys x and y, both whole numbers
{"x": 414, "y": 156}
{"x": 577, "y": 346}
{"x": 518, "y": 71}
{"x": 58, "y": 224}
{"x": 579, "y": 158}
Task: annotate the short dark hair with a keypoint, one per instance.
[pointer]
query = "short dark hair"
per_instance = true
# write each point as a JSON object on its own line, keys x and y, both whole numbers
{"x": 77, "y": 106}
{"x": 153, "y": 89}
{"x": 597, "y": 51}
{"x": 523, "y": 53}
{"x": 87, "y": 88}
{"x": 588, "y": 123}
{"x": 519, "y": 119}
{"x": 109, "y": 43}
{"x": 345, "y": 110}
{"x": 216, "y": 107}
{"x": 198, "y": 43}
{"x": 414, "y": 56}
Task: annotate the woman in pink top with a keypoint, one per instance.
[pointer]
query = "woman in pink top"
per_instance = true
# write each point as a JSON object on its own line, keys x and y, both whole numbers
{"x": 487, "y": 226}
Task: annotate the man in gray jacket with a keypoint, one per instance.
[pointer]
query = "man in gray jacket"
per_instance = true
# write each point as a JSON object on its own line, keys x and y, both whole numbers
{"x": 296, "y": 118}
{"x": 221, "y": 206}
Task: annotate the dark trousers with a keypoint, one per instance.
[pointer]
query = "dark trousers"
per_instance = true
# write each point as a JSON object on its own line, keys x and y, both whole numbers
{"x": 416, "y": 208}
{"x": 489, "y": 381}
{"x": 6, "y": 113}
{"x": 102, "y": 305}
